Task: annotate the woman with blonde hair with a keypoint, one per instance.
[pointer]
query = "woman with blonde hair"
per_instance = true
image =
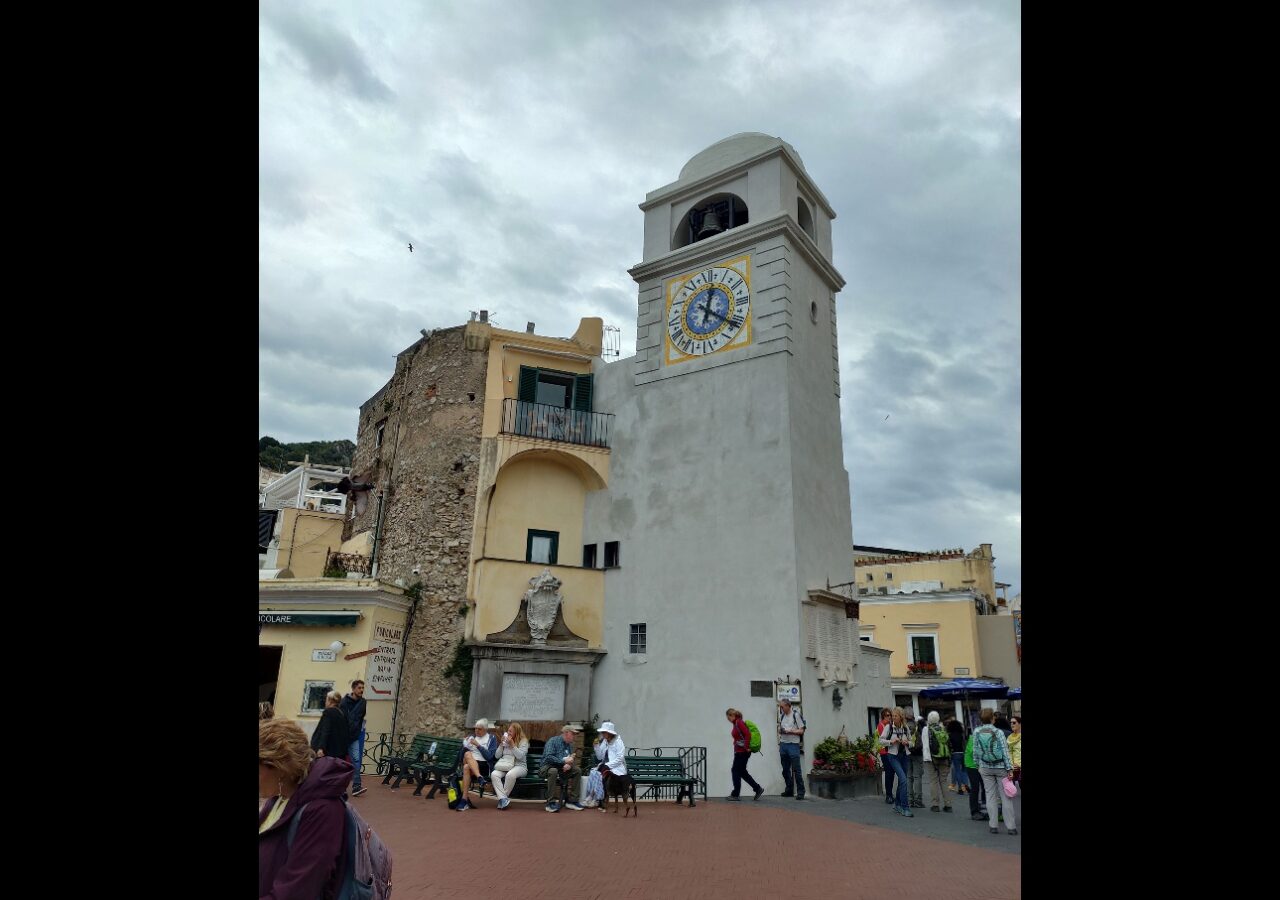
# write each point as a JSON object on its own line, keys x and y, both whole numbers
{"x": 266, "y": 710}
{"x": 741, "y": 754}
{"x": 330, "y": 738}
{"x": 305, "y": 799}
{"x": 897, "y": 743}
{"x": 511, "y": 763}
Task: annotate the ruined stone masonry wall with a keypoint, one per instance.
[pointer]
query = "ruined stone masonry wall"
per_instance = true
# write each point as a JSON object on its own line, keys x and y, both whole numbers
{"x": 428, "y": 463}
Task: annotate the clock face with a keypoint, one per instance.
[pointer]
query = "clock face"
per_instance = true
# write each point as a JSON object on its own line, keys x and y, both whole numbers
{"x": 709, "y": 310}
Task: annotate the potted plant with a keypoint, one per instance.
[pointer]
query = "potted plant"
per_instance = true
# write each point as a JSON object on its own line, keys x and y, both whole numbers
{"x": 843, "y": 769}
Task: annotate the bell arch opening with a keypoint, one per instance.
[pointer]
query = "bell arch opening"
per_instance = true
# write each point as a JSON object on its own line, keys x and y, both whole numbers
{"x": 708, "y": 217}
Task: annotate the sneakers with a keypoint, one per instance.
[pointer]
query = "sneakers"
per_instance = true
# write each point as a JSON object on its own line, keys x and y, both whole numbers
{"x": 731, "y": 797}
{"x": 887, "y": 799}
{"x": 576, "y": 807}
{"x": 462, "y": 805}
{"x": 909, "y": 814}
{"x": 358, "y": 791}
{"x": 916, "y": 804}
{"x": 1013, "y": 831}
{"x": 759, "y": 793}
{"x": 946, "y": 809}
{"x": 553, "y": 806}
{"x": 994, "y": 830}
{"x": 934, "y": 808}
{"x": 978, "y": 817}
{"x": 787, "y": 794}
{"x": 799, "y": 796}
{"x": 504, "y": 803}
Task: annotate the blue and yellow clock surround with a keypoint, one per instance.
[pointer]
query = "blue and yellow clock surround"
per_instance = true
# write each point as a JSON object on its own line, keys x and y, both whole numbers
{"x": 709, "y": 310}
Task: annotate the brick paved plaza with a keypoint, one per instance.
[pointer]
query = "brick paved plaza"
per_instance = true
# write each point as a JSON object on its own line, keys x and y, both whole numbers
{"x": 772, "y": 848}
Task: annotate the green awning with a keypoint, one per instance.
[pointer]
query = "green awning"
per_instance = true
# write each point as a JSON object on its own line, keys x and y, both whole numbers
{"x": 308, "y": 617}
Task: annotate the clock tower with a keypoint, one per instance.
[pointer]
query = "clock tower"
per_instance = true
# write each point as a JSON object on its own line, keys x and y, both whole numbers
{"x": 728, "y": 502}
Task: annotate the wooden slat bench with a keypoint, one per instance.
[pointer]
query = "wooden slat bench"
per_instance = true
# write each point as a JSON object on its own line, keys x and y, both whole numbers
{"x": 437, "y": 768}
{"x": 398, "y": 766}
{"x": 661, "y": 770}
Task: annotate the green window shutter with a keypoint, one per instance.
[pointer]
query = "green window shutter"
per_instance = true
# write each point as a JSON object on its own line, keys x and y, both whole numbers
{"x": 582, "y": 393}
{"x": 528, "y": 384}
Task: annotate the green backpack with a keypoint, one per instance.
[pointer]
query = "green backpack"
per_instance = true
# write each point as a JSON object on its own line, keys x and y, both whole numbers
{"x": 755, "y": 735}
{"x": 939, "y": 743}
{"x": 987, "y": 754}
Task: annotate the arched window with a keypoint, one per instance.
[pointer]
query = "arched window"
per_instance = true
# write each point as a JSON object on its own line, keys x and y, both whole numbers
{"x": 708, "y": 217}
{"x": 804, "y": 218}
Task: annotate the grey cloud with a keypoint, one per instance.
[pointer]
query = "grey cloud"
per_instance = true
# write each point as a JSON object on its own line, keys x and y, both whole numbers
{"x": 332, "y": 57}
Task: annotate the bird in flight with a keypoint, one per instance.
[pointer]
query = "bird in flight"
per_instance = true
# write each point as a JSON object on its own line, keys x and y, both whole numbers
{"x": 411, "y": 248}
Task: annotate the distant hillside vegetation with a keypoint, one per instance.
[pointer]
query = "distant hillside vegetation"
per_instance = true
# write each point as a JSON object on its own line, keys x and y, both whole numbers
{"x": 275, "y": 455}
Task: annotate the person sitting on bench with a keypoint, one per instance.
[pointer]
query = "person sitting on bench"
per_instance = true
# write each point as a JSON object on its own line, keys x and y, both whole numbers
{"x": 559, "y": 767}
{"x": 477, "y": 759}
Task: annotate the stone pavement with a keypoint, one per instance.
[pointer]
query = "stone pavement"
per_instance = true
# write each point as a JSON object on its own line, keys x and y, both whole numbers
{"x": 776, "y": 847}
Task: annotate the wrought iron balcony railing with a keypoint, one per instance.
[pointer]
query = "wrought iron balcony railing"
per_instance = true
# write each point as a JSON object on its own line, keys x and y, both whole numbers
{"x": 555, "y": 423}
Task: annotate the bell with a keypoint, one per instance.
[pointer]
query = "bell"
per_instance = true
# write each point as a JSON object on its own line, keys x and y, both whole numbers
{"x": 710, "y": 225}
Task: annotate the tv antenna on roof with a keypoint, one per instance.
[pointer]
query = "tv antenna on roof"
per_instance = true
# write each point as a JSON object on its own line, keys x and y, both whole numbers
{"x": 612, "y": 341}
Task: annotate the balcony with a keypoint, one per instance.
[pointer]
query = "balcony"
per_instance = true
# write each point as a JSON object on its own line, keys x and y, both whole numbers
{"x": 555, "y": 423}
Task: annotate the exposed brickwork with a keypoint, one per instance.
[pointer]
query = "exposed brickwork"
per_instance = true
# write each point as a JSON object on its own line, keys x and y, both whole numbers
{"x": 427, "y": 465}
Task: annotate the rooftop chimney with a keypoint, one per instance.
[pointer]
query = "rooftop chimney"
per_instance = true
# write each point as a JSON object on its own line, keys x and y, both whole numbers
{"x": 528, "y": 328}
{"x": 484, "y": 315}
{"x": 473, "y": 315}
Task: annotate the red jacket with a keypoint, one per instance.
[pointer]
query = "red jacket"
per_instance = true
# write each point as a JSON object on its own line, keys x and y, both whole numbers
{"x": 741, "y": 737}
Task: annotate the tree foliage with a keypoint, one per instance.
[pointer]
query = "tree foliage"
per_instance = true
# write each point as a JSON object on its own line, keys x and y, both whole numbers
{"x": 275, "y": 456}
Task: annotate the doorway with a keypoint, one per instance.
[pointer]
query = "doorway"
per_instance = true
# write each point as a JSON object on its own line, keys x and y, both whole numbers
{"x": 268, "y": 672}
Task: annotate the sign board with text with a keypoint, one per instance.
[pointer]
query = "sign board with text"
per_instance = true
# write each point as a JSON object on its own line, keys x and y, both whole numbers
{"x": 384, "y": 668}
{"x": 323, "y": 656}
{"x": 789, "y": 692}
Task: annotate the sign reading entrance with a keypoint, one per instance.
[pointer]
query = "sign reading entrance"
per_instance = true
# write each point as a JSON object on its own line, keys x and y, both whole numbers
{"x": 532, "y": 697}
{"x": 384, "y": 670}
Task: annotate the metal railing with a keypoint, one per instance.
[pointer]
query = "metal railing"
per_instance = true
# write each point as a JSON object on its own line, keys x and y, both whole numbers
{"x": 378, "y": 754}
{"x": 555, "y": 423}
{"x": 692, "y": 759}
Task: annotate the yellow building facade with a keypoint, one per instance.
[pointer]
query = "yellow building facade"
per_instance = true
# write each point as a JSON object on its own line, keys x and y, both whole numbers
{"x": 302, "y": 621}
{"x": 542, "y": 452}
{"x": 880, "y": 570}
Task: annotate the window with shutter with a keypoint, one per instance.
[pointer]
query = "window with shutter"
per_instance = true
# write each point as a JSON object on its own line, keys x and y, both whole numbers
{"x": 528, "y": 384}
{"x": 582, "y": 393}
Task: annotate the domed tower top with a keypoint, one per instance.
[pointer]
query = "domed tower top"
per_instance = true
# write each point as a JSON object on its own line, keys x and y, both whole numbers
{"x": 739, "y": 148}
{"x": 746, "y": 178}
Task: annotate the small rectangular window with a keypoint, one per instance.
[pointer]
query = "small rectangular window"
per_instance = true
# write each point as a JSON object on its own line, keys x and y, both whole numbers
{"x": 542, "y": 547}
{"x": 313, "y": 694}
{"x": 611, "y": 554}
{"x": 870, "y": 577}
{"x": 382, "y": 427}
{"x": 888, "y": 576}
{"x": 865, "y": 637}
{"x": 589, "y": 556}
{"x": 639, "y": 640}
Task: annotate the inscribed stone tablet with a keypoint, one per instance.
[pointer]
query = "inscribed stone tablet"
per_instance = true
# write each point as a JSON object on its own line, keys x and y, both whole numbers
{"x": 533, "y": 697}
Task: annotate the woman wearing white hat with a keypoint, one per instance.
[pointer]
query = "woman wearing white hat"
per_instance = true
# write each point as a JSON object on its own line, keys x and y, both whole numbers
{"x": 615, "y": 752}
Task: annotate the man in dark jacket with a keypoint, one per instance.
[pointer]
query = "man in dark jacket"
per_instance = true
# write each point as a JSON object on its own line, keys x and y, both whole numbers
{"x": 354, "y": 706}
{"x": 311, "y": 864}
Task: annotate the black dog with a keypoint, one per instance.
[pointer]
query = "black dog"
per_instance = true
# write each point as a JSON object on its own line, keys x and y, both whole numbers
{"x": 620, "y": 786}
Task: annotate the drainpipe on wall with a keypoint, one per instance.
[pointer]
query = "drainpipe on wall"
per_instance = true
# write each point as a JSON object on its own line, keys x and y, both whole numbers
{"x": 404, "y": 649}
{"x": 377, "y": 535}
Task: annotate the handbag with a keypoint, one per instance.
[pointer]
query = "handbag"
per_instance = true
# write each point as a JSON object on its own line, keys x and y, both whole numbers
{"x": 1010, "y": 789}
{"x": 506, "y": 764}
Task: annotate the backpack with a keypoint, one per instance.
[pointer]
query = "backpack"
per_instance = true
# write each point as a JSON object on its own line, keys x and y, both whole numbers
{"x": 987, "y": 753}
{"x": 755, "y": 735}
{"x": 454, "y": 790}
{"x": 366, "y": 861}
{"x": 939, "y": 743}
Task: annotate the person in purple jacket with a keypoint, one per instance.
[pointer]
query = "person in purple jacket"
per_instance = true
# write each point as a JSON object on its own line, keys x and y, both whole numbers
{"x": 293, "y": 780}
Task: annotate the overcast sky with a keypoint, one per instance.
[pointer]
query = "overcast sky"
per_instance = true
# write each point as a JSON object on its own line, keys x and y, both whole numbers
{"x": 511, "y": 142}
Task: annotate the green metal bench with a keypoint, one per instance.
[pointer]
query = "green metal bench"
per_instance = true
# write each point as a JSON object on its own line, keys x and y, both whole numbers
{"x": 438, "y": 766}
{"x": 398, "y": 767}
{"x": 661, "y": 771}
